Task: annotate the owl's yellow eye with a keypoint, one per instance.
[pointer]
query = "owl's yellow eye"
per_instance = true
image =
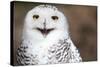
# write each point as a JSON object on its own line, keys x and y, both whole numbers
{"x": 54, "y": 17}
{"x": 35, "y": 16}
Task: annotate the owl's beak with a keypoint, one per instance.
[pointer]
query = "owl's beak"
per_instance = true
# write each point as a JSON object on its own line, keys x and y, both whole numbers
{"x": 45, "y": 31}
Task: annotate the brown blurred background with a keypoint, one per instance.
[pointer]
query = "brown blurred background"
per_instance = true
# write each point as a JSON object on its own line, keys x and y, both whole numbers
{"x": 82, "y": 26}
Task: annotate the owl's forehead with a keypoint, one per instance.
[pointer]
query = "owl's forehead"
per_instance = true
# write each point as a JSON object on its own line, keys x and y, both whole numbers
{"x": 44, "y": 9}
{"x": 51, "y": 7}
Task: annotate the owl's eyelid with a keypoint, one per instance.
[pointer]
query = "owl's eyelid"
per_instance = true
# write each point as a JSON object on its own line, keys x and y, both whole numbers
{"x": 36, "y": 16}
{"x": 55, "y": 17}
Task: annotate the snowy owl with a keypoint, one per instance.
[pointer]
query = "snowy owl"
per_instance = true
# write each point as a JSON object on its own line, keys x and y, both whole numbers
{"x": 45, "y": 38}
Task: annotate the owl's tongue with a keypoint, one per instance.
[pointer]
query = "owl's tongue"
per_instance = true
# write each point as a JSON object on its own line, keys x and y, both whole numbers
{"x": 45, "y": 31}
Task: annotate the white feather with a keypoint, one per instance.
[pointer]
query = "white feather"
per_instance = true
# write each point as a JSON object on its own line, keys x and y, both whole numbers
{"x": 38, "y": 45}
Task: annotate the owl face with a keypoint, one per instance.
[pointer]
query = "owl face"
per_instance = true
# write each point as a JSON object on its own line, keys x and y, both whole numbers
{"x": 45, "y": 19}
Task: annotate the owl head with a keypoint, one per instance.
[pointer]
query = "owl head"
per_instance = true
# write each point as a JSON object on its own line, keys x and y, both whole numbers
{"x": 45, "y": 19}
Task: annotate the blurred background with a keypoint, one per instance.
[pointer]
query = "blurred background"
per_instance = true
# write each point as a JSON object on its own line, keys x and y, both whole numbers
{"x": 82, "y": 26}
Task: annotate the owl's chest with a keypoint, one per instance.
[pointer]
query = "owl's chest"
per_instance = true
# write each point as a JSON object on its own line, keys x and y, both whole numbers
{"x": 43, "y": 55}
{"x": 47, "y": 53}
{"x": 40, "y": 49}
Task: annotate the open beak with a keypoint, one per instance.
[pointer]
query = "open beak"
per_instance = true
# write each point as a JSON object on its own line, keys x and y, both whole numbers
{"x": 45, "y": 31}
